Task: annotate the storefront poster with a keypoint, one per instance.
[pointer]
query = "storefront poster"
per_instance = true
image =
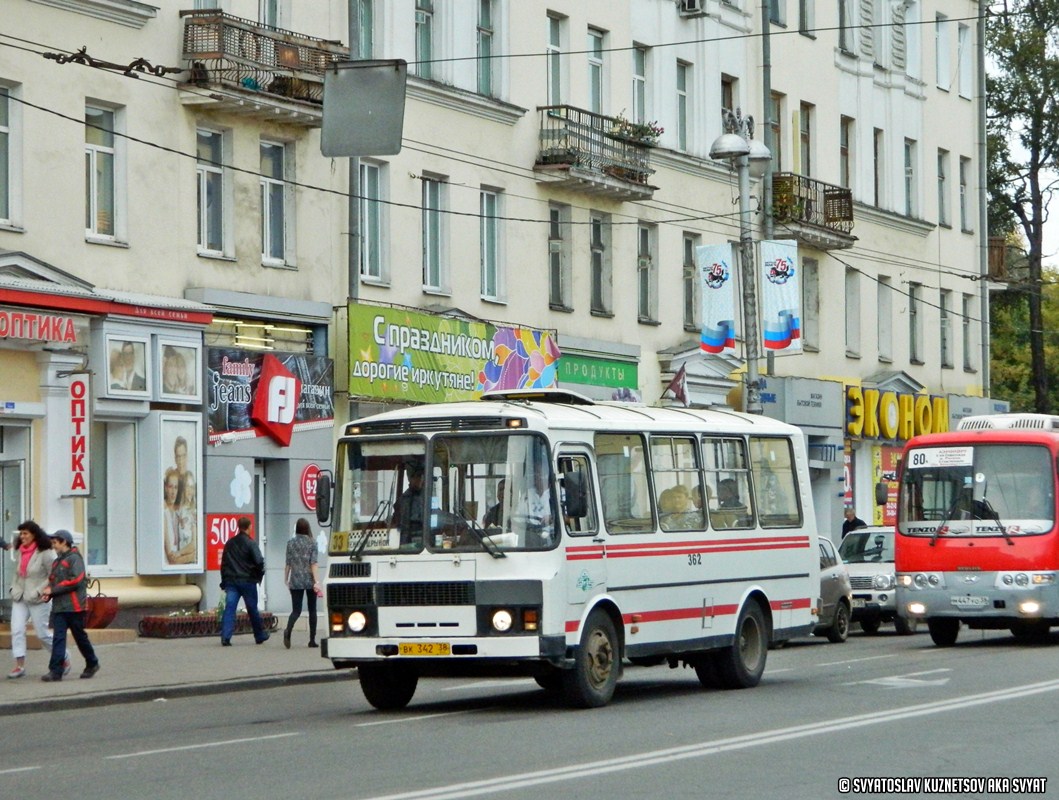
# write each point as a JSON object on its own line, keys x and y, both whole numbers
{"x": 884, "y": 461}
{"x": 411, "y": 355}
{"x": 181, "y": 457}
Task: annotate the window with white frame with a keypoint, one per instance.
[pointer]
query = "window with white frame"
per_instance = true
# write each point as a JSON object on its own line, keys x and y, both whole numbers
{"x": 943, "y": 189}
{"x": 806, "y": 17}
{"x": 210, "y": 177}
{"x": 884, "y": 322}
{"x": 485, "y": 47}
{"x": 968, "y": 344}
{"x": 555, "y": 60}
{"x": 915, "y": 323}
{"x": 778, "y": 12}
{"x": 912, "y": 30}
{"x": 943, "y": 52}
{"x": 880, "y": 34}
{"x": 434, "y": 277}
{"x": 100, "y": 172}
{"x": 639, "y": 84}
{"x": 646, "y": 273}
{"x": 595, "y": 71}
{"x": 728, "y": 93}
{"x": 6, "y": 140}
{"x": 372, "y": 209}
{"x": 692, "y": 301}
{"x": 852, "y": 312}
{"x": 366, "y": 29}
{"x": 878, "y": 164}
{"x": 845, "y": 152}
{"x": 424, "y": 38}
{"x": 560, "y": 295}
{"x": 600, "y": 263}
{"x": 810, "y": 304}
{"x": 273, "y": 202}
{"x": 775, "y": 122}
{"x": 112, "y": 456}
{"x": 489, "y": 244}
{"x": 965, "y": 197}
{"x": 910, "y": 178}
{"x": 268, "y": 13}
{"x": 964, "y": 54}
{"x": 805, "y": 139}
{"x": 846, "y": 23}
{"x": 945, "y": 318}
{"x": 683, "y": 110}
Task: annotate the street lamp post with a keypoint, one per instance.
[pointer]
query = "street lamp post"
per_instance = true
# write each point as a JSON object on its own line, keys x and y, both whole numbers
{"x": 738, "y": 146}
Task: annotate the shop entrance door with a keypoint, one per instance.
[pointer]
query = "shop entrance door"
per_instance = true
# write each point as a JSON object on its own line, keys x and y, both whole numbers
{"x": 11, "y": 513}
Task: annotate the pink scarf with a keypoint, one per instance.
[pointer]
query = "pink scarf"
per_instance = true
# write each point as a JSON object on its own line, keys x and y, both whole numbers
{"x": 27, "y": 551}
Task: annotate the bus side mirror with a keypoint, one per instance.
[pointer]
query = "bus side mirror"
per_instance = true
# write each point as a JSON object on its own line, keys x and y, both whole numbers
{"x": 575, "y": 501}
{"x": 323, "y": 497}
{"x": 882, "y": 491}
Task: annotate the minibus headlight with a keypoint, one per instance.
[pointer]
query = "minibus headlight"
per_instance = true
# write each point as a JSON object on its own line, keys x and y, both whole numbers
{"x": 502, "y": 620}
{"x": 357, "y": 621}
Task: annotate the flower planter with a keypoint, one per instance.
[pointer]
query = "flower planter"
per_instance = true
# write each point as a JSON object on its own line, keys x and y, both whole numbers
{"x": 184, "y": 625}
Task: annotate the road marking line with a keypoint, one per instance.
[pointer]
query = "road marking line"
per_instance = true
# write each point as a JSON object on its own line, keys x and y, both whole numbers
{"x": 415, "y": 719}
{"x": 852, "y": 661}
{"x": 18, "y": 769}
{"x": 906, "y": 679}
{"x": 590, "y": 769}
{"x": 225, "y": 743}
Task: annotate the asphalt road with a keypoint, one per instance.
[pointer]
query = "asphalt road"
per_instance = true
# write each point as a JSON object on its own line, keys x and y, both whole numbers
{"x": 882, "y": 707}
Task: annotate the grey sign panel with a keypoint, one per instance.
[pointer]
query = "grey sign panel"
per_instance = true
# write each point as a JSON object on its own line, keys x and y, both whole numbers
{"x": 363, "y": 108}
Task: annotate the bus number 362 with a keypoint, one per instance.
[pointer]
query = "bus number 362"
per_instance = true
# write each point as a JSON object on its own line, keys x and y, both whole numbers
{"x": 694, "y": 559}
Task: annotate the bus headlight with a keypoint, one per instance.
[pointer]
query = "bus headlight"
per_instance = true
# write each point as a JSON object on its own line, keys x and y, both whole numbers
{"x": 1022, "y": 579}
{"x": 1042, "y": 578}
{"x": 920, "y": 580}
{"x": 933, "y": 580}
{"x": 502, "y": 620}
{"x": 357, "y": 621}
{"x": 1007, "y": 580}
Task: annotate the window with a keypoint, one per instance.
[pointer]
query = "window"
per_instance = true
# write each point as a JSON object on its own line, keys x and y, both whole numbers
{"x": 99, "y": 172}
{"x": 810, "y": 304}
{"x": 778, "y": 12}
{"x": 943, "y": 175}
{"x": 964, "y": 54}
{"x": 623, "y": 485}
{"x": 845, "y": 139}
{"x": 968, "y": 350}
{"x": 915, "y": 324}
{"x": 806, "y": 17}
{"x": 852, "y": 313}
{"x": 945, "y": 311}
{"x": 371, "y": 222}
{"x": 942, "y": 52}
{"x": 880, "y": 34}
{"x": 910, "y": 177}
{"x": 489, "y": 239}
{"x": 646, "y": 274}
{"x": 639, "y": 84}
{"x": 424, "y": 38}
{"x": 267, "y": 12}
{"x": 432, "y": 266}
{"x": 682, "y": 105}
{"x": 366, "y": 11}
{"x": 775, "y": 117}
{"x": 555, "y": 61}
{"x": 599, "y": 254}
{"x": 846, "y": 22}
{"x": 112, "y": 455}
{"x": 595, "y": 71}
{"x": 911, "y": 29}
{"x": 884, "y": 322}
{"x": 677, "y": 483}
{"x": 273, "y": 202}
{"x": 877, "y": 167}
{"x": 559, "y": 278}
{"x": 728, "y": 95}
{"x": 485, "y": 47}
{"x": 727, "y": 483}
{"x": 5, "y": 155}
{"x": 805, "y": 139}
{"x": 580, "y": 465}
{"x": 775, "y": 487}
{"x": 965, "y": 198}
{"x": 692, "y": 302}
{"x": 210, "y": 192}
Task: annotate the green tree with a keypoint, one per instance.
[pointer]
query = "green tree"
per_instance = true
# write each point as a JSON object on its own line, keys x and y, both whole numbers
{"x": 1012, "y": 376}
{"x": 1022, "y": 37}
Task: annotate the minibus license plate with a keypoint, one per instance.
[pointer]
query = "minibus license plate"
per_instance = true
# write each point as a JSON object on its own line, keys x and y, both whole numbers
{"x": 969, "y": 601}
{"x": 424, "y": 649}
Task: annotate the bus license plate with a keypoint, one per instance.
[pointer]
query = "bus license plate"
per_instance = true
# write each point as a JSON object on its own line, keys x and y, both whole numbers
{"x": 424, "y": 649}
{"x": 969, "y": 601}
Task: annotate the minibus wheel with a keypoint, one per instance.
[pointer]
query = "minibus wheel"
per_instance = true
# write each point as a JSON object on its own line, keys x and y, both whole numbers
{"x": 590, "y": 684}
{"x": 388, "y": 687}
{"x": 741, "y": 664}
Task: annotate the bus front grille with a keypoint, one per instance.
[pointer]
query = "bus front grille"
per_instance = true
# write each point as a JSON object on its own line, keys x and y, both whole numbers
{"x": 443, "y": 593}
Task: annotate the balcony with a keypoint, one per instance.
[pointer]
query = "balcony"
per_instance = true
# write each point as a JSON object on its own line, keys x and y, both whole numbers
{"x": 588, "y": 153}
{"x": 813, "y": 212}
{"x": 270, "y": 73}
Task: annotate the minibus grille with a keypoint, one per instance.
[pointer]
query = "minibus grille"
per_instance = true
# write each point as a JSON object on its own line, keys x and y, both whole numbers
{"x": 444, "y": 593}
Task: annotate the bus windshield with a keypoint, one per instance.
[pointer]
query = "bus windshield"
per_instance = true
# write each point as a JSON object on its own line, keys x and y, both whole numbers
{"x": 965, "y": 489}
{"x": 456, "y": 491}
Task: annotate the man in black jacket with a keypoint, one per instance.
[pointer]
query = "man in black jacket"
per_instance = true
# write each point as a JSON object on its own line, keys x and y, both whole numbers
{"x": 242, "y": 568}
{"x": 67, "y": 590}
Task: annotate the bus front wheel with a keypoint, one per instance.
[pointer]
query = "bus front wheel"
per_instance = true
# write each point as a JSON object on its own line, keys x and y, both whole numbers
{"x": 943, "y": 631}
{"x": 388, "y": 687}
{"x": 590, "y": 684}
{"x": 741, "y": 665}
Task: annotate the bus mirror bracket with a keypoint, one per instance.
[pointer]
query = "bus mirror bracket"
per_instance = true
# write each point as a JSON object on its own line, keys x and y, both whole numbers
{"x": 323, "y": 497}
{"x": 576, "y": 500}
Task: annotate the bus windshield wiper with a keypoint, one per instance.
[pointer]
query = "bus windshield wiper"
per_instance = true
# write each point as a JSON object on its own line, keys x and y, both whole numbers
{"x": 487, "y": 543}
{"x": 987, "y": 507}
{"x": 365, "y": 533}
{"x": 945, "y": 520}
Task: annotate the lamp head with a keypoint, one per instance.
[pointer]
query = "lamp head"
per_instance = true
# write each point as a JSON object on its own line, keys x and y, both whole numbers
{"x": 759, "y": 158}
{"x": 729, "y": 146}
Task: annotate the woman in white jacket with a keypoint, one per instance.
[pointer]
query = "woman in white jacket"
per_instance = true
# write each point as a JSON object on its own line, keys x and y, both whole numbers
{"x": 33, "y": 558}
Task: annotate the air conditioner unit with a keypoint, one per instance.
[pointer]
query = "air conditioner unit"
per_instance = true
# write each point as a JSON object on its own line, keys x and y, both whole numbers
{"x": 691, "y": 8}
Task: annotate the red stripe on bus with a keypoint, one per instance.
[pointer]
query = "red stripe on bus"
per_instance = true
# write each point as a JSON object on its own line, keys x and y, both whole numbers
{"x": 697, "y": 612}
{"x": 804, "y": 540}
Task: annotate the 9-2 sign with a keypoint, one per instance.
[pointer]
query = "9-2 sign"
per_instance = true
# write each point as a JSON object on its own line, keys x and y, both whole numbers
{"x": 308, "y": 485}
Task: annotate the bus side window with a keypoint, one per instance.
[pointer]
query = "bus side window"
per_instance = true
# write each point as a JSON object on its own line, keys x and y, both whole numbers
{"x": 579, "y": 468}
{"x": 728, "y": 483}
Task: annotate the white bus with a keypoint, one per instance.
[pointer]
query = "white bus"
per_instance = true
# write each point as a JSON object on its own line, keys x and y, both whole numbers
{"x": 546, "y": 535}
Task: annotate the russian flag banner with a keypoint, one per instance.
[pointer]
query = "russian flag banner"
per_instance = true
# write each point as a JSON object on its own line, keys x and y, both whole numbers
{"x": 717, "y": 283}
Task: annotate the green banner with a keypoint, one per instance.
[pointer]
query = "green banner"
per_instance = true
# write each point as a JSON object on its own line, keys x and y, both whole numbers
{"x": 399, "y": 353}
{"x": 599, "y": 372}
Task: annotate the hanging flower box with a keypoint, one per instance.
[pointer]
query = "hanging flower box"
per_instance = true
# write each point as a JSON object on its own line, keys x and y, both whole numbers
{"x": 177, "y": 626}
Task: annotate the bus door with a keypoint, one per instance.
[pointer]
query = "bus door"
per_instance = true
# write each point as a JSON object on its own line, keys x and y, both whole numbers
{"x": 586, "y": 555}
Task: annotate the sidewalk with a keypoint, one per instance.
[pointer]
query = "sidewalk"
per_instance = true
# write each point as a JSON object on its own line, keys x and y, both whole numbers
{"x": 148, "y": 669}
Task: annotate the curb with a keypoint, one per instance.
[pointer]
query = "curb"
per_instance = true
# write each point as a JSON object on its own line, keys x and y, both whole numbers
{"x": 145, "y": 694}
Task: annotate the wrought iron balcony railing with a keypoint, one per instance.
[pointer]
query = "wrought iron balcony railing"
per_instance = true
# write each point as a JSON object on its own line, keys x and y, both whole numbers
{"x": 595, "y": 145}
{"x": 813, "y": 208}
{"x": 250, "y": 57}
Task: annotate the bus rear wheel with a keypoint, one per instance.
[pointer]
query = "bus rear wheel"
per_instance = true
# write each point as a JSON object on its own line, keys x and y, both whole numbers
{"x": 741, "y": 665}
{"x": 590, "y": 684}
{"x": 388, "y": 687}
{"x": 943, "y": 631}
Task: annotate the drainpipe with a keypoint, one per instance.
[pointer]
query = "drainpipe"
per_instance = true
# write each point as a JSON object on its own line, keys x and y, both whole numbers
{"x": 353, "y": 244}
{"x": 983, "y": 211}
{"x": 766, "y": 179}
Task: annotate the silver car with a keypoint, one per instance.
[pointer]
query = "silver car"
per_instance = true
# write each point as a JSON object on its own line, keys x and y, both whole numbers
{"x": 835, "y": 594}
{"x": 869, "y": 556}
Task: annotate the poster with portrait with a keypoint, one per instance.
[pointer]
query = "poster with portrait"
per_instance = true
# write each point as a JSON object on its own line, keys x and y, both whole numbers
{"x": 128, "y": 366}
{"x": 180, "y": 446}
{"x": 179, "y": 369}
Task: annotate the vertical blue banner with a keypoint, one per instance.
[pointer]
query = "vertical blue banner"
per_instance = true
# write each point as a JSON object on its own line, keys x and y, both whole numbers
{"x": 781, "y": 296}
{"x": 717, "y": 283}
